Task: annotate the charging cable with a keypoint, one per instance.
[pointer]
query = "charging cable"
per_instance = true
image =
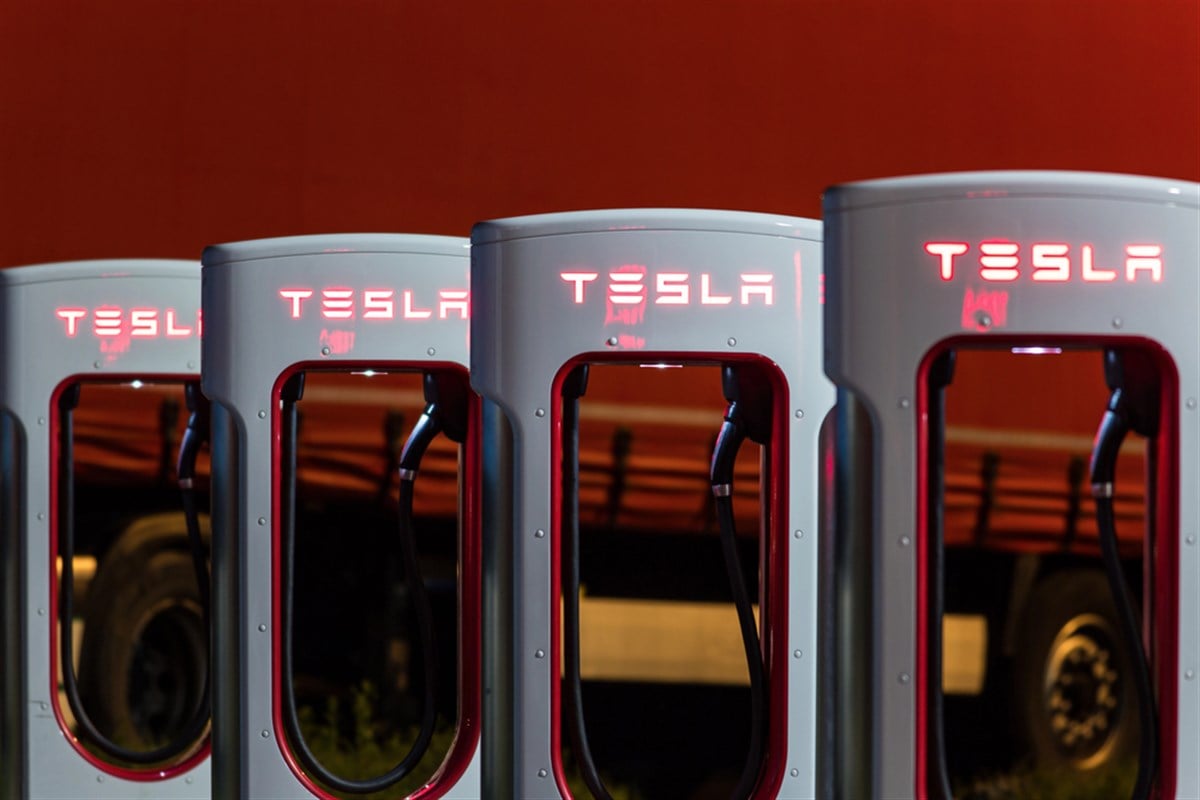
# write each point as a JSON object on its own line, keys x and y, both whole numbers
{"x": 1133, "y": 406}
{"x": 445, "y": 412}
{"x": 747, "y": 416}
{"x": 194, "y": 437}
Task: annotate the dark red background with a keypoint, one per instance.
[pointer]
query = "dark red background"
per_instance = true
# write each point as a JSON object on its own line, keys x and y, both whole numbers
{"x": 155, "y": 127}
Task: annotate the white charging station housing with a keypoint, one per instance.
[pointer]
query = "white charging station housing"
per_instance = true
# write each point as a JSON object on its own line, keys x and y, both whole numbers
{"x": 997, "y": 259}
{"x": 111, "y": 320}
{"x": 638, "y": 286}
{"x": 274, "y": 307}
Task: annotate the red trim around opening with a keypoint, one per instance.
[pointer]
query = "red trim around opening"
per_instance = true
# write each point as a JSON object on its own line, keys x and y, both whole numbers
{"x": 773, "y": 606}
{"x": 140, "y": 774}
{"x": 466, "y": 738}
{"x": 1161, "y": 594}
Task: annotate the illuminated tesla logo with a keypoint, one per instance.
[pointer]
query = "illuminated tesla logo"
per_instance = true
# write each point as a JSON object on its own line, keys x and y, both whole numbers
{"x": 340, "y": 303}
{"x": 115, "y": 322}
{"x": 632, "y": 285}
{"x": 1002, "y": 261}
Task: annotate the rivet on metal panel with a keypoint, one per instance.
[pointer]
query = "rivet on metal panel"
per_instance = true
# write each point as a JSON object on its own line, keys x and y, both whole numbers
{"x": 262, "y": 628}
{"x": 265, "y": 734}
{"x": 1191, "y": 539}
{"x": 99, "y": 779}
{"x": 41, "y": 420}
{"x": 798, "y": 653}
{"x": 539, "y": 653}
{"x": 262, "y": 414}
{"x": 44, "y": 706}
{"x": 904, "y": 402}
{"x": 1189, "y": 674}
{"x": 41, "y": 515}
{"x": 542, "y": 773}
{"x": 795, "y": 773}
{"x": 97, "y": 364}
{"x": 189, "y": 780}
{"x": 539, "y": 534}
{"x": 905, "y": 541}
{"x": 431, "y": 351}
{"x": 612, "y": 341}
{"x": 325, "y": 351}
{"x": 41, "y": 612}
{"x": 191, "y": 365}
{"x": 1191, "y": 403}
{"x": 1118, "y": 322}
{"x": 732, "y": 342}
{"x": 983, "y": 320}
{"x": 799, "y": 413}
{"x": 799, "y": 534}
{"x": 541, "y": 412}
{"x": 904, "y": 677}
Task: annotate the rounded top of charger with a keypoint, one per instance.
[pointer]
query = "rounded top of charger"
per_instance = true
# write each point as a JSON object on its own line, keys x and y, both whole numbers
{"x": 333, "y": 244}
{"x": 645, "y": 219}
{"x": 99, "y": 268}
{"x": 1001, "y": 184}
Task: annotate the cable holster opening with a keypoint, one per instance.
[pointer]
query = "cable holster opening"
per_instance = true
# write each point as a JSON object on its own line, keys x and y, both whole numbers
{"x": 446, "y": 411}
{"x": 187, "y": 740}
{"x": 573, "y": 387}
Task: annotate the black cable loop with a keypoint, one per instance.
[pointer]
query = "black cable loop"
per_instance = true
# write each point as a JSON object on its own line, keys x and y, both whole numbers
{"x": 940, "y": 376}
{"x": 1113, "y": 429}
{"x": 751, "y": 647}
{"x": 427, "y": 427}
{"x": 197, "y": 725}
{"x": 572, "y": 680}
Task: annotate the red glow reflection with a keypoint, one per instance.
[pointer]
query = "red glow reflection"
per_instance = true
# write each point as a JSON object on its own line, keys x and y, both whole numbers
{"x": 984, "y": 309}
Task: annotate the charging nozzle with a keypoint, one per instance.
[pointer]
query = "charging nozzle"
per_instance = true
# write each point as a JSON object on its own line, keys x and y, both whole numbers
{"x": 574, "y": 386}
{"x": 446, "y": 399}
{"x": 747, "y": 387}
{"x": 1133, "y": 406}
{"x": 293, "y": 389}
{"x": 194, "y": 436}
{"x": 69, "y": 399}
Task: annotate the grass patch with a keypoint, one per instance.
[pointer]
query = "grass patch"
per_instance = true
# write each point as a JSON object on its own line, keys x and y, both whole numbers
{"x": 1114, "y": 780}
{"x": 356, "y": 744}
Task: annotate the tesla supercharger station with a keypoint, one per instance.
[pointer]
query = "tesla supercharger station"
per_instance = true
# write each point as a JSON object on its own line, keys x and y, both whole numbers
{"x": 918, "y": 267}
{"x": 646, "y": 287}
{"x": 62, "y": 326}
{"x": 278, "y": 309}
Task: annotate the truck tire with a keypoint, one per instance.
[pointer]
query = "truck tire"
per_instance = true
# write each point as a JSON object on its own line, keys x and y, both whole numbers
{"x": 144, "y": 655}
{"x": 1073, "y": 680}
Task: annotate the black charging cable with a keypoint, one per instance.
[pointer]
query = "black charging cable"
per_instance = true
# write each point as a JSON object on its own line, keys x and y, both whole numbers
{"x": 194, "y": 437}
{"x": 445, "y": 412}
{"x": 574, "y": 388}
{"x": 1133, "y": 406}
{"x": 748, "y": 416}
{"x": 940, "y": 375}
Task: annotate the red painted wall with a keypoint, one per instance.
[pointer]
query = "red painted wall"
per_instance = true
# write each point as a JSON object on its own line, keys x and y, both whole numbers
{"x": 155, "y": 127}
